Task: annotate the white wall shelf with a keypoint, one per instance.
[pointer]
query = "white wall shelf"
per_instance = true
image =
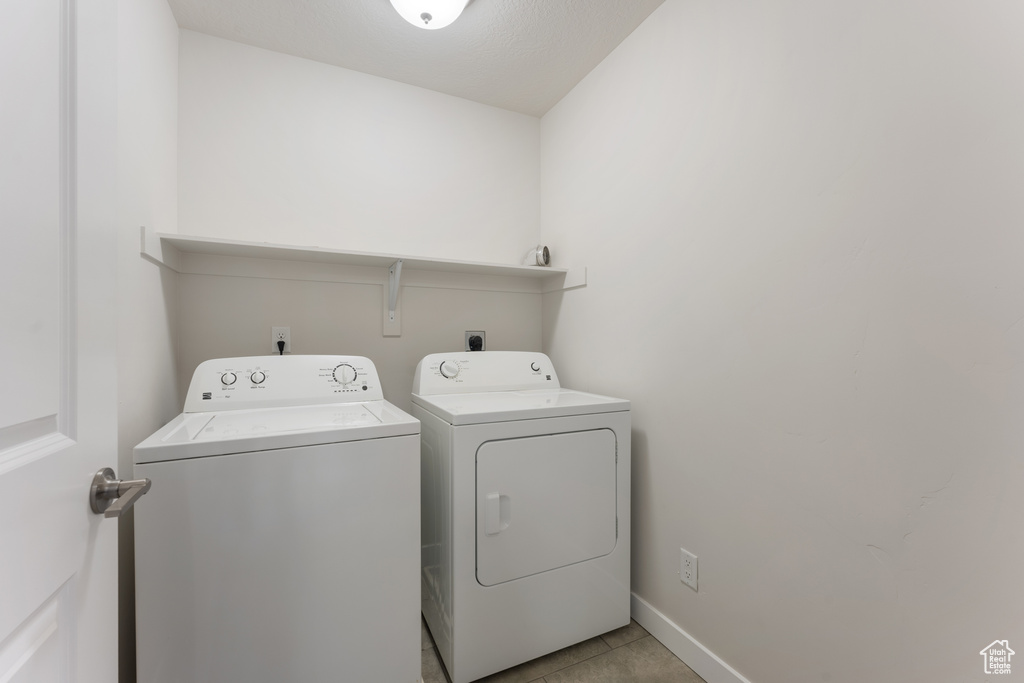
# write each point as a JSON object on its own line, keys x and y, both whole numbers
{"x": 212, "y": 256}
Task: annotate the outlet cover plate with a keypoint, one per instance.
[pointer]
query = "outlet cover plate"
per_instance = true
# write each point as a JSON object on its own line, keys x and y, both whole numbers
{"x": 477, "y": 333}
{"x": 688, "y": 568}
{"x": 281, "y": 334}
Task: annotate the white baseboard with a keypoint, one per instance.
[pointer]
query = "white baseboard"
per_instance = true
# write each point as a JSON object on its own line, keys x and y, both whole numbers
{"x": 703, "y": 661}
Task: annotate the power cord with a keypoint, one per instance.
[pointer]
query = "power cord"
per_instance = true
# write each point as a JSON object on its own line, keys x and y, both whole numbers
{"x": 280, "y": 347}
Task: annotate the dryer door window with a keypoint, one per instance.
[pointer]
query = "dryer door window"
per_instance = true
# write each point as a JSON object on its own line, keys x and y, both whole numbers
{"x": 544, "y": 502}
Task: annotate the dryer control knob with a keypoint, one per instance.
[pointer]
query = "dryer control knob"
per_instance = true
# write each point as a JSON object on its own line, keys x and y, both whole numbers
{"x": 228, "y": 378}
{"x": 344, "y": 374}
{"x": 535, "y": 366}
{"x": 449, "y": 369}
{"x": 257, "y": 377}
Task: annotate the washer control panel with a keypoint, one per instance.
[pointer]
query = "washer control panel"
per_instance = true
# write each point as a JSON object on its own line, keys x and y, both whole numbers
{"x": 276, "y": 381}
{"x": 478, "y": 371}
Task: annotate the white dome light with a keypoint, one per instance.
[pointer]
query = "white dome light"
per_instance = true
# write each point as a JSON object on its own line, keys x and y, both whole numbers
{"x": 429, "y": 14}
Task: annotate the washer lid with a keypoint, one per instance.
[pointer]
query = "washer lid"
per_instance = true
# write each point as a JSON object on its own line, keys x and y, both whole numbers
{"x": 196, "y": 435}
{"x": 503, "y": 406}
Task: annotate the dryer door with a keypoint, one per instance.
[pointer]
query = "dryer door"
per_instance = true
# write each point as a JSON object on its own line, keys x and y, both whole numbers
{"x": 544, "y": 502}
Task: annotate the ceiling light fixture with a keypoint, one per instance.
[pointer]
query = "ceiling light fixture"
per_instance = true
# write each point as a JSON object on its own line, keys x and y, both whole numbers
{"x": 429, "y": 14}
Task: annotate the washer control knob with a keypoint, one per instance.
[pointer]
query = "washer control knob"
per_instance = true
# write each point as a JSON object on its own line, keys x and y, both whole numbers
{"x": 535, "y": 366}
{"x": 449, "y": 369}
{"x": 228, "y": 378}
{"x": 344, "y": 374}
{"x": 258, "y": 377}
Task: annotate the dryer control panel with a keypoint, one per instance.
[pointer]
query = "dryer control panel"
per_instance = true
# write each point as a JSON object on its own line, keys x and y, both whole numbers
{"x": 479, "y": 371}
{"x": 278, "y": 381}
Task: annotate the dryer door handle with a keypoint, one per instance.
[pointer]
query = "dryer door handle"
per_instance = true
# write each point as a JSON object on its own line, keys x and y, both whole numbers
{"x": 497, "y": 513}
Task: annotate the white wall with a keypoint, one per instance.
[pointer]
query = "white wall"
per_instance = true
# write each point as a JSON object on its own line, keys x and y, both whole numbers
{"x": 147, "y": 301}
{"x": 274, "y": 148}
{"x": 281, "y": 149}
{"x": 802, "y": 226}
{"x": 331, "y": 312}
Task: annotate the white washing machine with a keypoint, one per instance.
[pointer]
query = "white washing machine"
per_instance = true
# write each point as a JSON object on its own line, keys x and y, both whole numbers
{"x": 525, "y": 509}
{"x": 281, "y": 539}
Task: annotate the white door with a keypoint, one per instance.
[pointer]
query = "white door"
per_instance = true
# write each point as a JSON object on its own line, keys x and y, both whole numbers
{"x": 58, "y": 572}
{"x": 544, "y": 502}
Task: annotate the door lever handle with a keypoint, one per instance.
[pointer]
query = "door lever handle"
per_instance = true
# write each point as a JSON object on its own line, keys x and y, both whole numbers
{"x": 110, "y": 496}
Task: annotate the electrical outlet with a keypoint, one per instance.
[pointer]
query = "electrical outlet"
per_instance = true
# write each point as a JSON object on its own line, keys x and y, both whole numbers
{"x": 476, "y": 340}
{"x": 688, "y": 568}
{"x": 279, "y": 334}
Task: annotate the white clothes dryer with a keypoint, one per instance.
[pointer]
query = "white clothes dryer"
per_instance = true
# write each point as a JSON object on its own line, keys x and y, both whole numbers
{"x": 525, "y": 509}
{"x": 281, "y": 539}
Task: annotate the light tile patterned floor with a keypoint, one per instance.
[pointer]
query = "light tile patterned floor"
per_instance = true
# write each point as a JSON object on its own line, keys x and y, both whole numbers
{"x": 626, "y": 655}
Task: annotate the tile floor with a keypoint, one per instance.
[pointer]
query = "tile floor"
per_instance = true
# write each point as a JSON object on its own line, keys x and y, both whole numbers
{"x": 626, "y": 655}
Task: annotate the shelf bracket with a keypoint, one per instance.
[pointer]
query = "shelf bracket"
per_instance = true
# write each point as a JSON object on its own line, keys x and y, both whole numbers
{"x": 392, "y": 320}
{"x": 154, "y": 249}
